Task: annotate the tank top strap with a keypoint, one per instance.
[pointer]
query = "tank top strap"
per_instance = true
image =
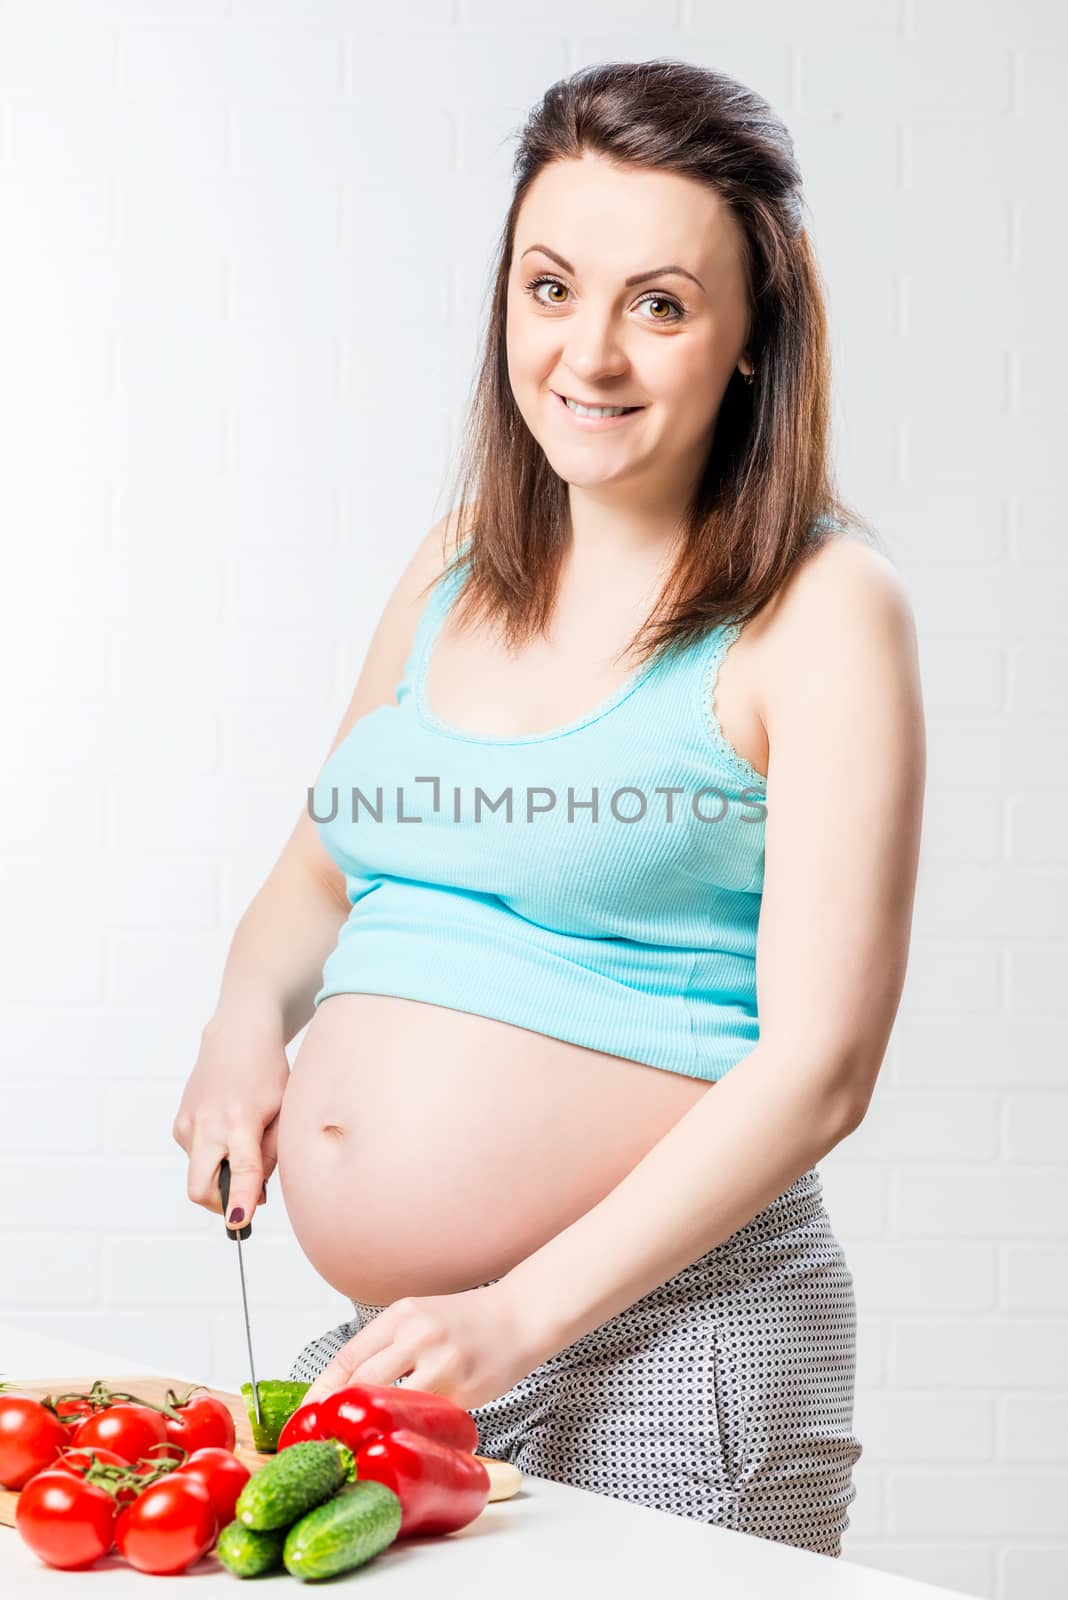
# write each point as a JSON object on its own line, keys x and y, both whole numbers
{"x": 687, "y": 678}
{"x": 696, "y": 663}
{"x": 722, "y": 637}
{"x": 434, "y": 611}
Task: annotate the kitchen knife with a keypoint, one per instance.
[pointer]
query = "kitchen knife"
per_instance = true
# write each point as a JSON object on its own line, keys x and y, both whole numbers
{"x": 237, "y": 1234}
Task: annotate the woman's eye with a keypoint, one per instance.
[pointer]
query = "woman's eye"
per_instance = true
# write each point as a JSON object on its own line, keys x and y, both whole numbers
{"x": 652, "y": 297}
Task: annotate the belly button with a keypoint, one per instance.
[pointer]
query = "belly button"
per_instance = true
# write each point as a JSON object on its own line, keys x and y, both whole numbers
{"x": 332, "y": 1127}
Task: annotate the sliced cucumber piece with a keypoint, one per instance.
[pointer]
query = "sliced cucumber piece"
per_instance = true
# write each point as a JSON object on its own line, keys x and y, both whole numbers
{"x": 279, "y": 1398}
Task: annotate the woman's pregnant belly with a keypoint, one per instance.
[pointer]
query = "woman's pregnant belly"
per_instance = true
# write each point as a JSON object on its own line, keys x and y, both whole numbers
{"x": 425, "y": 1151}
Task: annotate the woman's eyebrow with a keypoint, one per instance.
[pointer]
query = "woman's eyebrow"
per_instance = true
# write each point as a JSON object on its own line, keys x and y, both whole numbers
{"x": 637, "y": 277}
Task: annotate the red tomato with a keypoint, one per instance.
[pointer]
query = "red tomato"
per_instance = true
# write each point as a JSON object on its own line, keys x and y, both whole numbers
{"x": 79, "y": 1461}
{"x": 168, "y": 1527}
{"x": 125, "y": 1427}
{"x": 223, "y": 1476}
{"x": 72, "y": 1411}
{"x": 30, "y": 1438}
{"x": 64, "y": 1520}
{"x": 205, "y": 1422}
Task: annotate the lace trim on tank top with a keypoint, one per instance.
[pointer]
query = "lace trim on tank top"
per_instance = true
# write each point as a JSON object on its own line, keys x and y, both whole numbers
{"x": 731, "y": 758}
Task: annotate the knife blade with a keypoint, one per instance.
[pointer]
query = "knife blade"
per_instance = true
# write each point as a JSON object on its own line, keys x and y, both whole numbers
{"x": 237, "y": 1234}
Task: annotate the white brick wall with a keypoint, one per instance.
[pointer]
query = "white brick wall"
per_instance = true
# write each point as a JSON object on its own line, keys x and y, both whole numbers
{"x": 233, "y": 230}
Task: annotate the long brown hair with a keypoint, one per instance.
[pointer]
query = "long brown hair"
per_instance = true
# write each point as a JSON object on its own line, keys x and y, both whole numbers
{"x": 766, "y": 498}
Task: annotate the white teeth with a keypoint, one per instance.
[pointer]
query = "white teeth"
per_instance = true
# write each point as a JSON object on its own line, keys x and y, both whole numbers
{"x": 596, "y": 411}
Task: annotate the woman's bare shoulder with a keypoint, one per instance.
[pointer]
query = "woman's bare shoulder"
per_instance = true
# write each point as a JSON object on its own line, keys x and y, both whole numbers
{"x": 846, "y": 597}
{"x": 845, "y": 581}
{"x": 846, "y": 571}
{"x": 843, "y": 576}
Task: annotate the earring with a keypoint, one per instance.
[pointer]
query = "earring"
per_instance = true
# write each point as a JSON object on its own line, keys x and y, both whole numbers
{"x": 749, "y": 376}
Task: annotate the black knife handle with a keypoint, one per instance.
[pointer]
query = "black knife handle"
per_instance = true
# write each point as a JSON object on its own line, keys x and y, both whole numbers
{"x": 224, "y": 1185}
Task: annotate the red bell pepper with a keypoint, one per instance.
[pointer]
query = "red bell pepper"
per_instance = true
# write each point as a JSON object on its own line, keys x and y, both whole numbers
{"x": 304, "y": 1423}
{"x": 440, "y": 1488}
{"x": 364, "y": 1411}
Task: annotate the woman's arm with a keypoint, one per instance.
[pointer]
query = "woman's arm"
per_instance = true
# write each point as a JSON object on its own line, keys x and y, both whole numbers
{"x": 275, "y": 965}
{"x": 846, "y": 780}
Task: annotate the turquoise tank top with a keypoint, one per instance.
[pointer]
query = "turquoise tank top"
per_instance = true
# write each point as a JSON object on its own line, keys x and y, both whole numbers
{"x": 599, "y": 882}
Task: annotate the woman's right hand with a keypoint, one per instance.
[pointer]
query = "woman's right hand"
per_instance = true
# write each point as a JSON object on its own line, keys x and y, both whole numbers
{"x": 230, "y": 1108}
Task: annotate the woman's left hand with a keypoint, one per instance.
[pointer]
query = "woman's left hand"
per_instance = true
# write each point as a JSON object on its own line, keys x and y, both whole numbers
{"x": 470, "y": 1347}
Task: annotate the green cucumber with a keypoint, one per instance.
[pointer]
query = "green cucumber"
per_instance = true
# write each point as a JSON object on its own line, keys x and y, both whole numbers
{"x": 362, "y": 1519}
{"x": 279, "y": 1398}
{"x": 246, "y": 1553}
{"x": 296, "y": 1480}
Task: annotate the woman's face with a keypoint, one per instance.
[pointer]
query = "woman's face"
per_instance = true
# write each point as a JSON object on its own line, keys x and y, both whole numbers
{"x": 668, "y": 345}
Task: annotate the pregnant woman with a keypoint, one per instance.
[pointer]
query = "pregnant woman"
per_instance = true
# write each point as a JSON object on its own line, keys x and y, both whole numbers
{"x": 625, "y": 809}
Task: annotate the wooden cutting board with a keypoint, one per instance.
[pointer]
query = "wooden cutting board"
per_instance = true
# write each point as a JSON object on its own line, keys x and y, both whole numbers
{"x": 504, "y": 1478}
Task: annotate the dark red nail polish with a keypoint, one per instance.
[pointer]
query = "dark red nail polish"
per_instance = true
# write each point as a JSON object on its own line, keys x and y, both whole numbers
{"x": 237, "y": 1214}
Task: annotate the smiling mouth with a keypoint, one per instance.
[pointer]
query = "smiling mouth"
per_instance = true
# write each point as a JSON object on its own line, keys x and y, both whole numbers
{"x": 600, "y": 405}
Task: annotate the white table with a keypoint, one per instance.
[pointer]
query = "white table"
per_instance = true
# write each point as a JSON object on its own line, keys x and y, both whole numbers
{"x": 548, "y": 1539}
